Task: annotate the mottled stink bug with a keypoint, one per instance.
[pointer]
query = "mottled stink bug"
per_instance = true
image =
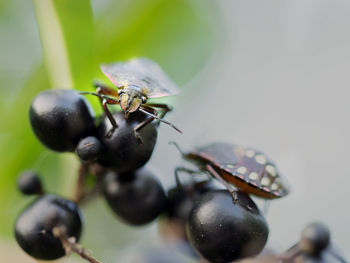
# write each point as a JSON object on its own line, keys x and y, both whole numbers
{"x": 246, "y": 168}
{"x": 136, "y": 80}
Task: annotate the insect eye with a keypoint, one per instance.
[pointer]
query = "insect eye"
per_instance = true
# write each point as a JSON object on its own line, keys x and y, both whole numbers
{"x": 143, "y": 99}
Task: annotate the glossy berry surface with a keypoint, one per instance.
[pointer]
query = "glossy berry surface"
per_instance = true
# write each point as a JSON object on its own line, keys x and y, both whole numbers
{"x": 60, "y": 118}
{"x": 224, "y": 231}
{"x": 315, "y": 238}
{"x": 179, "y": 204}
{"x": 89, "y": 148}
{"x": 181, "y": 199}
{"x": 29, "y": 183}
{"x": 122, "y": 152}
{"x": 33, "y": 229}
{"x": 137, "y": 198}
{"x": 172, "y": 224}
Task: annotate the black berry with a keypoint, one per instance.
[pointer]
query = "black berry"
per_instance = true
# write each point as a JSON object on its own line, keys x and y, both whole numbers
{"x": 122, "y": 152}
{"x": 314, "y": 247}
{"x": 179, "y": 204}
{"x": 137, "y": 197}
{"x": 181, "y": 199}
{"x": 35, "y": 224}
{"x": 89, "y": 148}
{"x": 222, "y": 230}
{"x": 29, "y": 183}
{"x": 315, "y": 238}
{"x": 60, "y": 118}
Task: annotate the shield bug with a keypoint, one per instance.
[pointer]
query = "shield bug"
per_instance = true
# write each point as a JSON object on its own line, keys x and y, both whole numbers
{"x": 248, "y": 169}
{"x": 136, "y": 81}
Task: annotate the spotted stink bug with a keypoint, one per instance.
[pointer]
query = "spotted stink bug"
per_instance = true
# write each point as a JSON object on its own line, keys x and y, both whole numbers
{"x": 136, "y": 80}
{"x": 248, "y": 169}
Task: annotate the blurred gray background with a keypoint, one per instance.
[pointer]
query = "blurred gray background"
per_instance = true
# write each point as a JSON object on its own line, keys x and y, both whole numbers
{"x": 279, "y": 81}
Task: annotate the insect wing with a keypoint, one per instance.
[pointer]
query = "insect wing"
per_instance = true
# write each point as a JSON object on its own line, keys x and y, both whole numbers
{"x": 141, "y": 72}
{"x": 256, "y": 168}
{"x": 248, "y": 164}
{"x": 218, "y": 153}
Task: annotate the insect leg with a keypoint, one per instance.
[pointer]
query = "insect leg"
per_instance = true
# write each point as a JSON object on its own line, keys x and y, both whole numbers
{"x": 229, "y": 187}
{"x": 101, "y": 96}
{"x": 166, "y": 108}
{"x": 102, "y": 89}
{"x": 186, "y": 170}
{"x": 146, "y": 109}
{"x": 105, "y": 91}
{"x": 110, "y": 118}
{"x": 143, "y": 125}
{"x": 177, "y": 147}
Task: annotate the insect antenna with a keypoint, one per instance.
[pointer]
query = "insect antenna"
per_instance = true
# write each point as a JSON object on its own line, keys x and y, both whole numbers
{"x": 177, "y": 147}
{"x": 156, "y": 117}
{"x": 98, "y": 95}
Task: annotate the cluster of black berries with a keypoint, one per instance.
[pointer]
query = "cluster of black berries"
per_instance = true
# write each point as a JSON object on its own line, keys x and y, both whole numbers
{"x": 64, "y": 122}
{"x": 50, "y": 226}
{"x": 49, "y": 223}
{"x": 220, "y": 227}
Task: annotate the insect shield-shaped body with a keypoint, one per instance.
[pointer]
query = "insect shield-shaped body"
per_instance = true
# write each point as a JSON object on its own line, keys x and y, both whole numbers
{"x": 137, "y": 80}
{"x": 248, "y": 169}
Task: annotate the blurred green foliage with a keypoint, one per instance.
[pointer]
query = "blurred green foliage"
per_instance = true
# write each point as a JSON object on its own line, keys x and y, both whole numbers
{"x": 178, "y": 34}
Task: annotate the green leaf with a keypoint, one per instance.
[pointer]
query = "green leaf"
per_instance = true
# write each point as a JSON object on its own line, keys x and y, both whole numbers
{"x": 19, "y": 150}
{"x": 62, "y": 40}
{"x": 175, "y": 33}
{"x": 66, "y": 29}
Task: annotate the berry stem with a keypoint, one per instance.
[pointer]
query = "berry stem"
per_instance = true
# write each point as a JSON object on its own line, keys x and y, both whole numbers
{"x": 82, "y": 194}
{"x": 80, "y": 187}
{"x": 292, "y": 253}
{"x": 89, "y": 195}
{"x": 70, "y": 245}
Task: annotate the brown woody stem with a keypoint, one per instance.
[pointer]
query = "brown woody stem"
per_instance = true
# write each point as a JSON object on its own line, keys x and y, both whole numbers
{"x": 70, "y": 245}
{"x": 82, "y": 193}
{"x": 80, "y": 187}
